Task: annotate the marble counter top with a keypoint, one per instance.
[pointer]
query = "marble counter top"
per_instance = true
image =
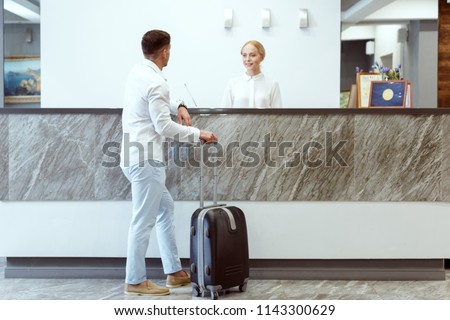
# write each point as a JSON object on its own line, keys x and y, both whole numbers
{"x": 285, "y": 111}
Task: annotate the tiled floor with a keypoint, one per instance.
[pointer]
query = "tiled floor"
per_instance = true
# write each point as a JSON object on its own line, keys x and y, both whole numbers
{"x": 112, "y": 289}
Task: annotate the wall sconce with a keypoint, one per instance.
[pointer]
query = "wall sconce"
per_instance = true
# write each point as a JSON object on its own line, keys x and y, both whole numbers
{"x": 265, "y": 18}
{"x": 402, "y": 35}
{"x": 303, "y": 18}
{"x": 370, "y": 48}
{"x": 29, "y": 35}
{"x": 228, "y": 18}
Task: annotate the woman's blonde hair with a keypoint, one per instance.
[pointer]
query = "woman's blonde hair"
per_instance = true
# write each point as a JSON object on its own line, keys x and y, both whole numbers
{"x": 258, "y": 47}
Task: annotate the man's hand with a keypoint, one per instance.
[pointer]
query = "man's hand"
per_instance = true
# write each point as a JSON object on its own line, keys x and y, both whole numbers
{"x": 207, "y": 136}
{"x": 184, "y": 117}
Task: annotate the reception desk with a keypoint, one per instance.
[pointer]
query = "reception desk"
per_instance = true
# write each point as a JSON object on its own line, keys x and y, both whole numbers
{"x": 264, "y": 155}
{"x": 333, "y": 163}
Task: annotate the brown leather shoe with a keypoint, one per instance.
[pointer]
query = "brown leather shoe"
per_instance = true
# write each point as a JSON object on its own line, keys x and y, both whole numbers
{"x": 178, "y": 281}
{"x": 147, "y": 289}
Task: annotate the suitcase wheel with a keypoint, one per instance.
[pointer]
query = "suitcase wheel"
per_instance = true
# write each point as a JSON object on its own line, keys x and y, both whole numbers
{"x": 214, "y": 295}
{"x": 243, "y": 287}
{"x": 196, "y": 292}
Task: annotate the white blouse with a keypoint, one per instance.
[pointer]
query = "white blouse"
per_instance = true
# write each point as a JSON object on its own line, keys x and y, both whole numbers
{"x": 252, "y": 92}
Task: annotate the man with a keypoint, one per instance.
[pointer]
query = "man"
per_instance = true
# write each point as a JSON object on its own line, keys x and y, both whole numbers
{"x": 146, "y": 123}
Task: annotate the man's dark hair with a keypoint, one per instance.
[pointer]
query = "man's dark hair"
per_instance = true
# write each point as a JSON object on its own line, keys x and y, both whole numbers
{"x": 153, "y": 41}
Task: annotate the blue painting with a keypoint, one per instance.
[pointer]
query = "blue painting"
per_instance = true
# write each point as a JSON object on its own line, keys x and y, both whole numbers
{"x": 22, "y": 79}
{"x": 388, "y": 94}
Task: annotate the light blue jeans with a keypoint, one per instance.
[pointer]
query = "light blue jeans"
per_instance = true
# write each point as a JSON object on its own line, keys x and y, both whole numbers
{"x": 152, "y": 206}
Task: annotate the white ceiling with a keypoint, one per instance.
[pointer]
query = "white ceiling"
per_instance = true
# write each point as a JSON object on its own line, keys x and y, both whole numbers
{"x": 21, "y": 11}
{"x": 346, "y": 4}
{"x": 352, "y": 11}
{"x": 387, "y": 11}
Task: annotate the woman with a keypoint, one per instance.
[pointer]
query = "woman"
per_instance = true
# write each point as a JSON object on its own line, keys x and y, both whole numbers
{"x": 253, "y": 89}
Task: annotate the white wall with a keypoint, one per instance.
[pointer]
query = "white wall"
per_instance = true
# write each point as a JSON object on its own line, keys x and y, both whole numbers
{"x": 359, "y": 32}
{"x": 385, "y": 37}
{"x": 407, "y": 10}
{"x": 89, "y": 46}
{"x": 422, "y": 56}
{"x": 386, "y": 44}
{"x": 282, "y": 230}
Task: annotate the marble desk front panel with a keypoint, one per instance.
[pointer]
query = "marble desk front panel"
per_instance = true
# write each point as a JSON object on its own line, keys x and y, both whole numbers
{"x": 263, "y": 157}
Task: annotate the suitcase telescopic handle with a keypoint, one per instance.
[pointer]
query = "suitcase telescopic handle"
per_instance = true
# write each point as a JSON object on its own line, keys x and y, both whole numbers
{"x": 202, "y": 176}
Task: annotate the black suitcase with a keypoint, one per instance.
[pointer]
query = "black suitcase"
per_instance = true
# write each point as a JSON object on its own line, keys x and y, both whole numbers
{"x": 218, "y": 247}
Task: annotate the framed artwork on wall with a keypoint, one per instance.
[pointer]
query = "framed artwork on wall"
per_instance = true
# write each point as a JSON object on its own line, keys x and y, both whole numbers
{"x": 22, "y": 79}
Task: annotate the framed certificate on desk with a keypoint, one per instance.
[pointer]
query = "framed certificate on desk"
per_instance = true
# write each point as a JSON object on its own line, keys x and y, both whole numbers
{"x": 388, "y": 94}
{"x": 363, "y": 81}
